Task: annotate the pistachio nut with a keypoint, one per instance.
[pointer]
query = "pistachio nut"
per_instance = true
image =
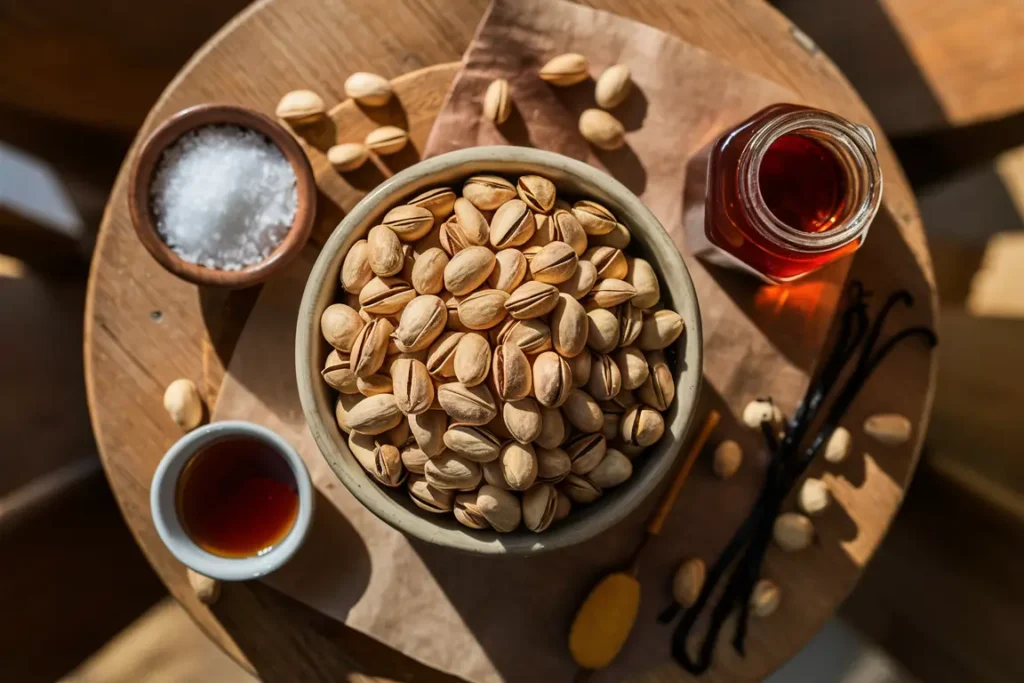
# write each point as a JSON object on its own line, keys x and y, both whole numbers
{"x": 500, "y": 508}
{"x": 374, "y": 415}
{"x": 471, "y": 228}
{"x": 582, "y": 412}
{"x": 553, "y": 465}
{"x": 355, "y": 269}
{"x": 439, "y": 201}
{"x": 409, "y": 222}
{"x": 399, "y": 435}
{"x": 540, "y": 504}
{"x": 386, "y": 140}
{"x": 611, "y": 292}
{"x": 385, "y": 253}
{"x": 342, "y": 406}
{"x": 488, "y": 192}
{"x": 512, "y": 225}
{"x": 347, "y": 156}
{"x": 640, "y": 274}
{"x": 370, "y": 347}
{"x": 467, "y": 512}
{"x": 632, "y": 366}
{"x": 450, "y": 237}
{"x": 413, "y": 388}
{"x": 483, "y": 309}
{"x": 532, "y": 300}
{"x": 642, "y": 426}
{"x": 369, "y": 89}
{"x": 659, "y": 330}
{"x": 428, "y": 271}
{"x": 581, "y": 282}
{"x": 428, "y": 498}
{"x": 532, "y": 336}
{"x": 813, "y": 497}
{"x": 688, "y": 582}
{"x": 765, "y": 598}
{"x": 544, "y": 231}
{"x": 554, "y": 263}
{"x": 522, "y": 418}
{"x": 300, "y": 107}
{"x": 472, "y": 359}
{"x": 567, "y": 228}
{"x": 595, "y": 219}
{"x": 618, "y": 238}
{"x": 552, "y": 428}
{"x": 468, "y": 269}
{"x": 381, "y": 460}
{"x": 428, "y": 431}
{"x": 537, "y": 192}
{"x": 586, "y": 451}
{"x": 609, "y": 262}
{"x": 580, "y": 365}
{"x": 421, "y": 323}
{"x": 612, "y": 86}
{"x": 493, "y": 475}
{"x": 468, "y": 405}
{"x": 472, "y": 442}
{"x": 610, "y": 428}
{"x": 836, "y": 448}
{"x": 441, "y": 355}
{"x": 413, "y": 457}
{"x": 631, "y": 321}
{"x": 509, "y": 270}
{"x": 385, "y": 296}
{"x": 890, "y": 429}
{"x": 762, "y": 410}
{"x": 659, "y": 389}
{"x": 563, "y": 507}
{"x": 629, "y": 450}
{"x": 512, "y": 376}
{"x": 602, "y": 130}
{"x": 792, "y": 531}
{"x": 605, "y": 378}
{"x": 374, "y": 384}
{"x": 518, "y": 465}
{"x": 338, "y": 373}
{"x": 552, "y": 379}
{"x": 497, "y": 101}
{"x": 183, "y": 403}
{"x": 579, "y": 489}
{"x": 565, "y": 70}
{"x": 614, "y": 469}
{"x": 602, "y": 330}
{"x": 452, "y": 471}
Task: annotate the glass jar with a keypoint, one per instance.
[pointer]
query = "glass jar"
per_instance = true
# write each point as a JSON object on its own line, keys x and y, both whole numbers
{"x": 786, "y": 192}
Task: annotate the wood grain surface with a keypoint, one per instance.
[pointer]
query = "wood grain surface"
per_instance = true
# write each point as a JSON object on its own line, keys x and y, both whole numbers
{"x": 145, "y": 328}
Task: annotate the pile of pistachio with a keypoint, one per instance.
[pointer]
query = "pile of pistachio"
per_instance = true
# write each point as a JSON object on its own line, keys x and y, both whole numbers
{"x": 498, "y": 354}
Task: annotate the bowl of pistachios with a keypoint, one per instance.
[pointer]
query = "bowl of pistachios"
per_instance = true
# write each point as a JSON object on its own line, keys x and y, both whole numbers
{"x": 498, "y": 350}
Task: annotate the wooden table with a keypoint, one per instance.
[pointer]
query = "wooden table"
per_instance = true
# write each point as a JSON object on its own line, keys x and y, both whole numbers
{"x": 145, "y": 328}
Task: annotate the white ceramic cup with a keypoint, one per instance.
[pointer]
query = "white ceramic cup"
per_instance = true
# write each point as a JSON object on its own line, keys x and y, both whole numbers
{"x": 162, "y": 501}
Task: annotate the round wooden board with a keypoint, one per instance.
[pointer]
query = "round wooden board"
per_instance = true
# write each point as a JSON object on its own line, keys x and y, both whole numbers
{"x": 145, "y": 328}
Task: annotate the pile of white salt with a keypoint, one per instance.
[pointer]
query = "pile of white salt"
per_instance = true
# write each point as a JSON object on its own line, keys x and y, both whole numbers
{"x": 223, "y": 197}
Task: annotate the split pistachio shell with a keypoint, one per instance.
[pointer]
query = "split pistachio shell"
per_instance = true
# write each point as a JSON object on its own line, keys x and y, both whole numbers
{"x": 814, "y": 497}
{"x": 338, "y": 373}
{"x": 512, "y": 376}
{"x": 374, "y": 384}
{"x": 471, "y": 227}
{"x": 439, "y": 201}
{"x": 409, "y": 222}
{"x": 610, "y": 292}
{"x": 619, "y": 238}
{"x": 595, "y": 219}
{"x": 483, "y": 309}
{"x": 497, "y": 101}
{"x": 381, "y": 460}
{"x": 605, "y": 378}
{"x": 468, "y": 405}
{"x": 554, "y": 263}
{"x": 509, "y": 270}
{"x": 609, "y": 262}
{"x": 641, "y": 276}
{"x": 838, "y": 445}
{"x": 472, "y": 359}
{"x": 421, "y": 323}
{"x": 613, "y": 470}
{"x": 347, "y": 156}
{"x": 370, "y": 347}
{"x": 633, "y": 367}
{"x": 540, "y": 504}
{"x": 342, "y": 406}
{"x": 581, "y": 281}
{"x": 565, "y": 70}
{"x": 428, "y": 498}
{"x": 792, "y": 531}
{"x": 374, "y": 415}
{"x": 602, "y": 330}
{"x": 688, "y": 582}
{"x": 413, "y": 458}
{"x": 340, "y": 324}
{"x": 537, "y": 192}
{"x": 518, "y": 465}
{"x": 532, "y": 336}
{"x": 563, "y": 507}
{"x": 566, "y": 228}
{"x": 369, "y": 89}
{"x": 727, "y": 459}
{"x": 659, "y": 330}
{"x": 513, "y": 225}
{"x": 580, "y": 490}
{"x": 890, "y": 429}
{"x": 613, "y": 86}
{"x": 762, "y": 410}
{"x": 642, "y": 426}
{"x": 586, "y": 451}
{"x": 765, "y": 598}
{"x": 582, "y": 411}
{"x": 522, "y": 418}
{"x": 184, "y": 404}
{"x": 472, "y": 442}
{"x": 553, "y": 465}
{"x": 449, "y": 471}
{"x": 441, "y": 355}
{"x": 580, "y": 365}
{"x": 385, "y": 251}
{"x": 569, "y": 326}
{"x": 300, "y": 107}
{"x": 488, "y": 192}
{"x": 428, "y": 271}
{"x": 385, "y": 296}
{"x": 413, "y": 388}
{"x": 428, "y": 431}
{"x": 552, "y": 379}
{"x": 386, "y": 140}
{"x": 355, "y": 269}
{"x": 468, "y": 269}
{"x": 500, "y": 508}
{"x": 552, "y": 428}
{"x": 602, "y": 130}
{"x": 532, "y": 300}
{"x": 467, "y": 511}
{"x": 631, "y": 322}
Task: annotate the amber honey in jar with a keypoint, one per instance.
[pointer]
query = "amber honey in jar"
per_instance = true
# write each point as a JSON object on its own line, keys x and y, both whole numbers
{"x": 789, "y": 190}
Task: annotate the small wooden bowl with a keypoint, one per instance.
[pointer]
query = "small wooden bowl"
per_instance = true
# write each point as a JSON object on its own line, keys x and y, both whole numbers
{"x": 219, "y": 114}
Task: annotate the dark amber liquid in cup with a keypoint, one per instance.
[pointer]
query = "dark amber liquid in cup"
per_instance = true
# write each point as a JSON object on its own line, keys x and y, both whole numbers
{"x": 237, "y": 498}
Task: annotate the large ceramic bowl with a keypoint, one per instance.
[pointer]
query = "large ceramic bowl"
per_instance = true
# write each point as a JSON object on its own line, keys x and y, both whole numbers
{"x": 573, "y": 179}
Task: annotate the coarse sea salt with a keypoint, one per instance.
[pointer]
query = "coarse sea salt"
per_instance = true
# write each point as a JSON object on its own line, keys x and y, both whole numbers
{"x": 223, "y": 197}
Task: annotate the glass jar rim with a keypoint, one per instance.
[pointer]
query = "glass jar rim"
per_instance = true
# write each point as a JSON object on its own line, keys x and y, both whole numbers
{"x": 857, "y": 140}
